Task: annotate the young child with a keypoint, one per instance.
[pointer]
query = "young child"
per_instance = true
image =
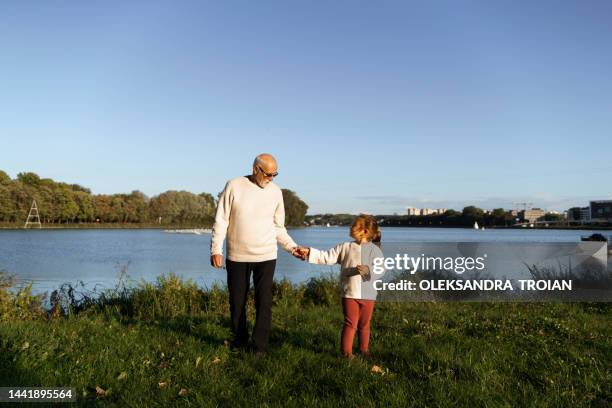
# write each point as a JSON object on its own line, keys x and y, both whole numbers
{"x": 356, "y": 258}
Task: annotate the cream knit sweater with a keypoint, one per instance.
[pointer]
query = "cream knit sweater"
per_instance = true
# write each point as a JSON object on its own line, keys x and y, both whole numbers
{"x": 349, "y": 255}
{"x": 253, "y": 219}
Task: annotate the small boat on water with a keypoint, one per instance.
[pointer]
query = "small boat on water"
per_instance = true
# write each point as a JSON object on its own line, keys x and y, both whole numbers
{"x": 196, "y": 231}
{"x": 476, "y": 225}
{"x": 595, "y": 237}
{"x": 599, "y": 238}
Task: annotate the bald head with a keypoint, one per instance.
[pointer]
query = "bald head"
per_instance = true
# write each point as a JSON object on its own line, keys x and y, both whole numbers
{"x": 264, "y": 159}
{"x": 264, "y": 167}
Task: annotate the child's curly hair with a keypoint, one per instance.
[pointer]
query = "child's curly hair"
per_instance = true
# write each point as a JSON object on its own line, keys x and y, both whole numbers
{"x": 364, "y": 226}
{"x": 377, "y": 238}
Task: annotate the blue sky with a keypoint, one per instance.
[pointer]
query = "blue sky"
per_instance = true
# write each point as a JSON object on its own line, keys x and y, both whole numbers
{"x": 368, "y": 106}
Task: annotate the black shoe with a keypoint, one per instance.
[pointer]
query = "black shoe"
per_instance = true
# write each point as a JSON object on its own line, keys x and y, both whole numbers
{"x": 238, "y": 345}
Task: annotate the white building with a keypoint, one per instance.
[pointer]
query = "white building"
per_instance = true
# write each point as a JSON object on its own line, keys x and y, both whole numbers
{"x": 425, "y": 211}
{"x": 413, "y": 211}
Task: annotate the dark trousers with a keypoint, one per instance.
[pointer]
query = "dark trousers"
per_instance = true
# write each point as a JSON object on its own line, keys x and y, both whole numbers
{"x": 238, "y": 279}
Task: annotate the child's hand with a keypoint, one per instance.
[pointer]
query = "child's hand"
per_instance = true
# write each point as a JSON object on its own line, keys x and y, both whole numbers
{"x": 364, "y": 271}
{"x": 305, "y": 253}
{"x": 301, "y": 253}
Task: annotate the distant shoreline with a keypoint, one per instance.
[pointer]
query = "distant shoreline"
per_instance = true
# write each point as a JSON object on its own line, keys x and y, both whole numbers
{"x": 6, "y": 226}
{"x": 96, "y": 226}
{"x": 498, "y": 227}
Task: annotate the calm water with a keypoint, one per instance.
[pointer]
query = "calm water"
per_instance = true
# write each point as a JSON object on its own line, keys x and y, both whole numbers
{"x": 49, "y": 258}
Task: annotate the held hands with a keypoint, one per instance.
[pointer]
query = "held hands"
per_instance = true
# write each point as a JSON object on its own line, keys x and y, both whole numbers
{"x": 301, "y": 252}
{"x": 364, "y": 271}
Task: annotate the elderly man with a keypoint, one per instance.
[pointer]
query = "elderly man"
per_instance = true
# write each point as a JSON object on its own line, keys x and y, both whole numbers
{"x": 251, "y": 214}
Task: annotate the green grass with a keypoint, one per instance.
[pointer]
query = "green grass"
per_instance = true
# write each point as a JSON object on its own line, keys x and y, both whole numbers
{"x": 430, "y": 354}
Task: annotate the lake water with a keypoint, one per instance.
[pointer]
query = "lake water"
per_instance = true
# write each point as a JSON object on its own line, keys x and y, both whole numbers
{"x": 49, "y": 258}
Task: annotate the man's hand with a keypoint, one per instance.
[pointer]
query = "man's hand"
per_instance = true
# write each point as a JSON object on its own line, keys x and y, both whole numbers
{"x": 297, "y": 253}
{"x": 216, "y": 260}
{"x": 364, "y": 271}
{"x": 301, "y": 252}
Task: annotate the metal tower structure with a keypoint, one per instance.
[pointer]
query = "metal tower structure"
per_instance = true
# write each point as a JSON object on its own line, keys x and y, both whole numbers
{"x": 524, "y": 205}
{"x": 33, "y": 215}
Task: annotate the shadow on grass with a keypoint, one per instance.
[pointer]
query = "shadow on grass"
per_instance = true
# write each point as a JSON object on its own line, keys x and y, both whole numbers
{"x": 11, "y": 375}
{"x": 316, "y": 341}
{"x": 191, "y": 327}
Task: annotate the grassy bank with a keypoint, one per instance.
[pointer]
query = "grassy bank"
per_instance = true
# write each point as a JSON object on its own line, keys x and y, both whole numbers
{"x": 162, "y": 344}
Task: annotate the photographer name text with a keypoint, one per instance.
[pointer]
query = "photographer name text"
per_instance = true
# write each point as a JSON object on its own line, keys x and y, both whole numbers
{"x": 481, "y": 285}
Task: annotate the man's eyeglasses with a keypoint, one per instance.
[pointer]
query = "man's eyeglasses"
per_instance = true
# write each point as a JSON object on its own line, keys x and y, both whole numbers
{"x": 268, "y": 174}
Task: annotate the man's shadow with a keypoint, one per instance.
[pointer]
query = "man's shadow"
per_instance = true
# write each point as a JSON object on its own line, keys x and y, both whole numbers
{"x": 194, "y": 327}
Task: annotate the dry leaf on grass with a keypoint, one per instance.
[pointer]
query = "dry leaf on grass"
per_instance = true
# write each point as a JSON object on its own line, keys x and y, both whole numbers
{"x": 183, "y": 392}
{"x": 122, "y": 376}
{"x": 100, "y": 392}
{"x": 216, "y": 360}
{"x": 198, "y": 361}
{"x": 163, "y": 384}
{"x": 380, "y": 370}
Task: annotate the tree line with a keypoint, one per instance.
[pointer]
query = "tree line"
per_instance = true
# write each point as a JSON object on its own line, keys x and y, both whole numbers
{"x": 450, "y": 218}
{"x": 61, "y": 203}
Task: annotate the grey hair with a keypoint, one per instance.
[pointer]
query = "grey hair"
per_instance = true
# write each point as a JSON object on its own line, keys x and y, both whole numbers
{"x": 258, "y": 161}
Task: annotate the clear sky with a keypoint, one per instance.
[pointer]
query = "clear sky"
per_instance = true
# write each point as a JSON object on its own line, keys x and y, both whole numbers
{"x": 368, "y": 106}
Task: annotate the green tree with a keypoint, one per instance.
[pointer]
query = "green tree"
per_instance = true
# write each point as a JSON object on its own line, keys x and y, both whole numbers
{"x": 67, "y": 208}
{"x": 30, "y": 179}
{"x": 47, "y": 207}
{"x": 295, "y": 208}
{"x": 164, "y": 206}
{"x": 102, "y": 208}
{"x": 5, "y": 179}
{"x": 208, "y": 208}
{"x": 21, "y": 194}
{"x": 77, "y": 187}
{"x": 85, "y": 203}
{"x": 553, "y": 217}
{"x": 182, "y": 207}
{"x": 7, "y": 205}
{"x": 471, "y": 214}
{"x": 498, "y": 213}
{"x": 451, "y": 213}
{"x": 136, "y": 207}
{"x": 117, "y": 204}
